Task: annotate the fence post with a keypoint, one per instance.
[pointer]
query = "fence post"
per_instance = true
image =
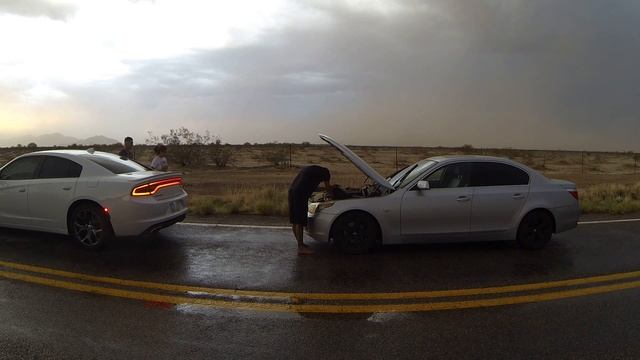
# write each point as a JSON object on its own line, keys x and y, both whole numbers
{"x": 290, "y": 154}
{"x": 396, "y": 158}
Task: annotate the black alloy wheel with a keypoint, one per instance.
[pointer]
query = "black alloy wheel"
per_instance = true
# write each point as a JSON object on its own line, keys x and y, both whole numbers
{"x": 355, "y": 233}
{"x": 89, "y": 227}
{"x": 535, "y": 230}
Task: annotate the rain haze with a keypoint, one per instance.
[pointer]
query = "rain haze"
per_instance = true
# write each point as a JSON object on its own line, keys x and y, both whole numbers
{"x": 522, "y": 74}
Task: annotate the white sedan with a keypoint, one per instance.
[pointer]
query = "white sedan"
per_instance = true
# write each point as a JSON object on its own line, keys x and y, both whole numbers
{"x": 445, "y": 199}
{"x": 89, "y": 195}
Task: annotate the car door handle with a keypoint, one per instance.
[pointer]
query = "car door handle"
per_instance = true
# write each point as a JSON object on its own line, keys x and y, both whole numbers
{"x": 66, "y": 188}
{"x": 22, "y": 190}
{"x": 463, "y": 198}
{"x": 518, "y": 196}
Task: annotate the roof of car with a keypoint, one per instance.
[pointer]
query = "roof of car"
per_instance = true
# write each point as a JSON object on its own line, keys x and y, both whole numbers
{"x": 470, "y": 158}
{"x": 68, "y": 152}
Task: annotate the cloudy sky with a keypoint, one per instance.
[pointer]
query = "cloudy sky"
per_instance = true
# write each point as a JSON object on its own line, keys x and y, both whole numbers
{"x": 505, "y": 73}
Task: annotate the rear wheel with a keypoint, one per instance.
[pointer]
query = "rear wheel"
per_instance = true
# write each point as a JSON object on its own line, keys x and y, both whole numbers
{"x": 355, "y": 233}
{"x": 89, "y": 226}
{"x": 535, "y": 230}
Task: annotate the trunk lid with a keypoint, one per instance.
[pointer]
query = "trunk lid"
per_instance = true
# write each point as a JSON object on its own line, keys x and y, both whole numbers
{"x": 148, "y": 176}
{"x": 569, "y": 186}
{"x": 564, "y": 183}
{"x": 358, "y": 162}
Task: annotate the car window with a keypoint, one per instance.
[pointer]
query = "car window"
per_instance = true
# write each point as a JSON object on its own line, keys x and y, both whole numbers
{"x": 497, "y": 174}
{"x": 55, "y": 167}
{"x": 116, "y": 165}
{"x": 449, "y": 176}
{"x": 22, "y": 169}
{"x": 419, "y": 169}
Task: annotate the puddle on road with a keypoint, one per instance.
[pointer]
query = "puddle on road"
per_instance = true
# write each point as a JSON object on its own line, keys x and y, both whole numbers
{"x": 384, "y": 317}
{"x": 191, "y": 309}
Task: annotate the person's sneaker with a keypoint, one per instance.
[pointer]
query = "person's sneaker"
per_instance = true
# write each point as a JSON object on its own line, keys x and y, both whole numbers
{"x": 305, "y": 250}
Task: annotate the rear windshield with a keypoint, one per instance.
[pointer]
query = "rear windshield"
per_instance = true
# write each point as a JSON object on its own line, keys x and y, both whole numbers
{"x": 115, "y": 164}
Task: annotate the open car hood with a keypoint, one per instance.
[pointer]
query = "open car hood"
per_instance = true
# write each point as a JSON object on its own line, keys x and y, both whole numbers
{"x": 358, "y": 162}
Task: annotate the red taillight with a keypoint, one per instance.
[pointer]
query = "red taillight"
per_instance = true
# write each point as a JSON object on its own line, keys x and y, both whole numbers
{"x": 574, "y": 193}
{"x": 154, "y": 187}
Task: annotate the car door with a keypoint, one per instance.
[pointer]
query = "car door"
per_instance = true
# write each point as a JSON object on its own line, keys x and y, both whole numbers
{"x": 15, "y": 179}
{"x": 442, "y": 212}
{"x": 51, "y": 193}
{"x": 499, "y": 193}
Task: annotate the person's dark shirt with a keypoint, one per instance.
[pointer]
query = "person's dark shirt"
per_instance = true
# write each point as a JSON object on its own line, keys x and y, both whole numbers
{"x": 127, "y": 154}
{"x": 308, "y": 180}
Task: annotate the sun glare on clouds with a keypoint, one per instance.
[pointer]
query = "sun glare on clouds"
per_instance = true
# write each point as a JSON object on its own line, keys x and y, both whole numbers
{"x": 101, "y": 38}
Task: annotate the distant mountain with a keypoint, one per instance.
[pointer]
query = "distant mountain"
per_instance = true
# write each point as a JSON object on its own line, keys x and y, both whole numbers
{"x": 57, "y": 139}
{"x": 99, "y": 140}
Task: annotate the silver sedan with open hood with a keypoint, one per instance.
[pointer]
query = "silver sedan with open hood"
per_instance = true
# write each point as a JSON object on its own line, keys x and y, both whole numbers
{"x": 444, "y": 199}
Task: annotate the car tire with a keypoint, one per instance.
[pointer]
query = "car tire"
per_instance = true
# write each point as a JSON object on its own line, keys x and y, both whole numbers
{"x": 355, "y": 233}
{"x": 89, "y": 227}
{"x": 535, "y": 230}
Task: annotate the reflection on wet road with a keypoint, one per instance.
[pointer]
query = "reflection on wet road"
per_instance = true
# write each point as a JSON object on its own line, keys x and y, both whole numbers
{"x": 587, "y": 279}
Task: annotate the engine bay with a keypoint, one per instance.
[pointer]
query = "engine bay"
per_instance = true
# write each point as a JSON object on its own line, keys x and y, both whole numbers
{"x": 343, "y": 193}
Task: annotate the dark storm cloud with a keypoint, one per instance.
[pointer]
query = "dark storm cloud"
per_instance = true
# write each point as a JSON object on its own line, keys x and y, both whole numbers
{"x": 37, "y": 8}
{"x": 536, "y": 74}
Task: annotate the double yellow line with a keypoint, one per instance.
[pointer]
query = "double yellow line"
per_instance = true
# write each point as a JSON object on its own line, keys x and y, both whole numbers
{"x": 319, "y": 302}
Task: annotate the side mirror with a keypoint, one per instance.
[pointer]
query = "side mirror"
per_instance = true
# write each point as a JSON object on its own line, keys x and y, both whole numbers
{"x": 423, "y": 185}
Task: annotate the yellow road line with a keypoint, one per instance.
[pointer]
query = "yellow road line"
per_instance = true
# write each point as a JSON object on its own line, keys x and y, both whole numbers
{"x": 327, "y": 296}
{"x": 415, "y": 307}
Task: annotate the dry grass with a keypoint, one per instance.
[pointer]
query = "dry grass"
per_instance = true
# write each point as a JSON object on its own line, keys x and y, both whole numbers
{"x": 611, "y": 198}
{"x": 267, "y": 200}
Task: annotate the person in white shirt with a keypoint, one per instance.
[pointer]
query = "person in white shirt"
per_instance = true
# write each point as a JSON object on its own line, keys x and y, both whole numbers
{"x": 160, "y": 162}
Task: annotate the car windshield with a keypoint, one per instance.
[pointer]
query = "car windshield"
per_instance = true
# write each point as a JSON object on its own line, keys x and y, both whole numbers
{"x": 409, "y": 173}
{"x": 116, "y": 165}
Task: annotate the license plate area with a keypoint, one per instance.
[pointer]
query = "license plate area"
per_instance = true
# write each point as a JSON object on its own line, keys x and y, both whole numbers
{"x": 176, "y": 206}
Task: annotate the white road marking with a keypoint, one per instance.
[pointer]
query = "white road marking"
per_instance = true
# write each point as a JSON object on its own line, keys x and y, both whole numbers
{"x": 607, "y": 221}
{"x": 288, "y": 227}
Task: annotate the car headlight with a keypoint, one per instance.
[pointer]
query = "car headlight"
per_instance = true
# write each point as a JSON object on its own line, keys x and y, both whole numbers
{"x": 316, "y": 207}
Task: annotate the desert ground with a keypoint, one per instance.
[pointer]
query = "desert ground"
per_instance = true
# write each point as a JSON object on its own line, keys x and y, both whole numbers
{"x": 256, "y": 177}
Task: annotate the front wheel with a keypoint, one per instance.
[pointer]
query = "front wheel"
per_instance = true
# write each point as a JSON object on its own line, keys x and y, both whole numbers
{"x": 355, "y": 233}
{"x": 89, "y": 227}
{"x": 535, "y": 230}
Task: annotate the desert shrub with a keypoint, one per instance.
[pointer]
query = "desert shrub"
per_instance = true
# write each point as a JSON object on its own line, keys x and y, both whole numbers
{"x": 184, "y": 146}
{"x": 222, "y": 155}
{"x": 278, "y": 157}
{"x": 467, "y": 147}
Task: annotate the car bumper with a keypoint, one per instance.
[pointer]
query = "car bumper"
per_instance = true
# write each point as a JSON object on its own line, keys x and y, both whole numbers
{"x": 139, "y": 216}
{"x": 566, "y": 217}
{"x": 319, "y": 226}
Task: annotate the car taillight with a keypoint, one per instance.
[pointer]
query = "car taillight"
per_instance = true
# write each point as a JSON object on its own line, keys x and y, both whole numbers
{"x": 574, "y": 193}
{"x": 154, "y": 187}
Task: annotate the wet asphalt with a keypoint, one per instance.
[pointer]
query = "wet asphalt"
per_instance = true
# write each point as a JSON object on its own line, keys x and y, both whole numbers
{"x": 43, "y": 322}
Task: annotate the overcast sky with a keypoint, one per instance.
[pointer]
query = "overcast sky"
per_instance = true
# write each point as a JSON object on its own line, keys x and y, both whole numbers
{"x": 526, "y": 74}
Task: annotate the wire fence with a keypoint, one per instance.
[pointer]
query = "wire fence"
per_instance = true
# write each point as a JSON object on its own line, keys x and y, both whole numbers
{"x": 386, "y": 158}
{"x": 394, "y": 158}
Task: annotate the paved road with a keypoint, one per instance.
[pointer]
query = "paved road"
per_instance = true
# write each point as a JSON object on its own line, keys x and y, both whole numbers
{"x": 51, "y": 321}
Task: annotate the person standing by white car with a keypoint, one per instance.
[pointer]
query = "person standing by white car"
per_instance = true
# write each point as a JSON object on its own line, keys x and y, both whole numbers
{"x": 127, "y": 150}
{"x": 304, "y": 184}
{"x": 160, "y": 162}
